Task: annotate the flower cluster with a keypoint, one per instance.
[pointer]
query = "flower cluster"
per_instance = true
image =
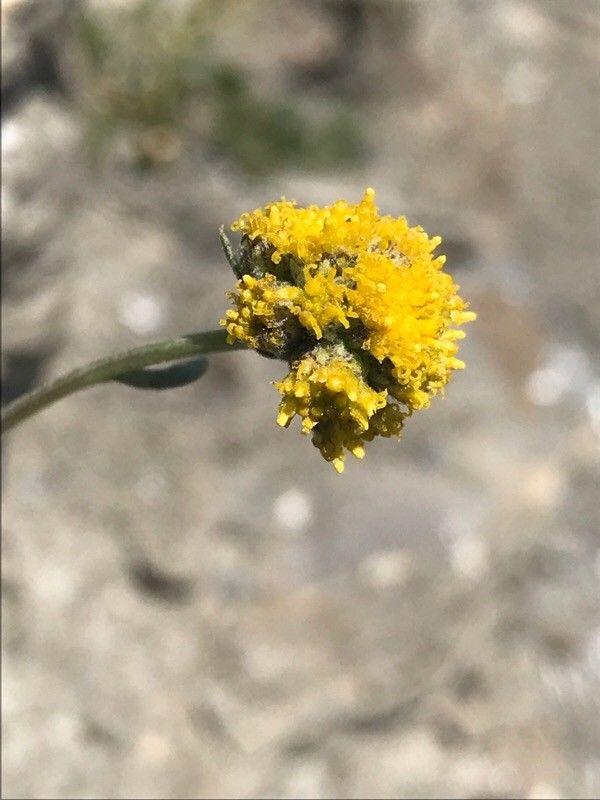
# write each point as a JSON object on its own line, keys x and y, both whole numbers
{"x": 359, "y": 307}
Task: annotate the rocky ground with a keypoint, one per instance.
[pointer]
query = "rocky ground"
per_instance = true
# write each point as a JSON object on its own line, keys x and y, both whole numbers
{"x": 194, "y": 604}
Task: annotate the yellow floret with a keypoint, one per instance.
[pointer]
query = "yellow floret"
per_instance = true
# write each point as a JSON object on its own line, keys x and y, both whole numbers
{"x": 310, "y": 233}
{"x": 336, "y": 406}
{"x": 409, "y": 322}
{"x": 343, "y": 276}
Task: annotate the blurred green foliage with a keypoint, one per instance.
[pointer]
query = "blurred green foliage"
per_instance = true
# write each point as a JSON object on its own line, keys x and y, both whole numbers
{"x": 149, "y": 72}
{"x": 262, "y": 134}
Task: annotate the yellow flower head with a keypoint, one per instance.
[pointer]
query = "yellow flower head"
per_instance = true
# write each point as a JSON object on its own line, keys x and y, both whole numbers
{"x": 360, "y": 308}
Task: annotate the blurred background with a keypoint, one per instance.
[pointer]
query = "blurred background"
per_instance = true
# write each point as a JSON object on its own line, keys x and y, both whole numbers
{"x": 194, "y": 603}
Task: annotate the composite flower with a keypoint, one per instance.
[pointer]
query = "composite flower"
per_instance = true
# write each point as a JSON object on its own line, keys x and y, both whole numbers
{"x": 358, "y": 305}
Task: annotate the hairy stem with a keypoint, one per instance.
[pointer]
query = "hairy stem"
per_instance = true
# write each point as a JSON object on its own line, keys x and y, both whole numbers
{"x": 109, "y": 368}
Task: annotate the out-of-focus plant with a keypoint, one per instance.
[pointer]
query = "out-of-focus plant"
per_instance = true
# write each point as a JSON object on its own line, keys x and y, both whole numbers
{"x": 260, "y": 134}
{"x": 354, "y": 302}
{"x": 139, "y": 66}
{"x": 149, "y": 71}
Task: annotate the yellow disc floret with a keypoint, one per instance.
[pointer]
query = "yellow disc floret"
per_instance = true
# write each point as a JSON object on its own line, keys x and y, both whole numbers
{"x": 333, "y": 402}
{"x": 358, "y": 305}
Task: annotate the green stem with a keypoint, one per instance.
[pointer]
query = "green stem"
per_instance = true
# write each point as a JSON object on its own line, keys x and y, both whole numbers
{"x": 109, "y": 368}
